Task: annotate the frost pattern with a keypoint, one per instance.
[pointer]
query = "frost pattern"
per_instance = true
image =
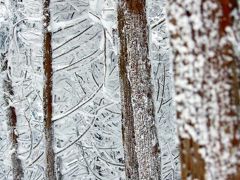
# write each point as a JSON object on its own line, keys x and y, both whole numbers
{"x": 87, "y": 117}
{"x": 160, "y": 56}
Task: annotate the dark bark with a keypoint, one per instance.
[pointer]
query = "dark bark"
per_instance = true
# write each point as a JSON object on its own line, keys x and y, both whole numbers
{"x": 47, "y": 93}
{"x": 141, "y": 150}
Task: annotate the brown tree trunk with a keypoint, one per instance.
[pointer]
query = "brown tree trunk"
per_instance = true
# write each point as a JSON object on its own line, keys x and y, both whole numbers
{"x": 17, "y": 169}
{"x": 141, "y": 149}
{"x": 206, "y": 70}
{"x": 47, "y": 93}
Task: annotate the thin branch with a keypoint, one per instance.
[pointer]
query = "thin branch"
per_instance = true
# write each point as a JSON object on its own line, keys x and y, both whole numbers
{"x": 158, "y": 23}
{"x": 35, "y": 160}
{"x": 105, "y": 55}
{"x": 107, "y": 161}
{"x": 78, "y": 138}
{"x": 74, "y": 37}
{"x": 72, "y": 64}
{"x": 56, "y": 118}
{"x": 164, "y": 79}
{"x": 76, "y": 47}
{"x": 83, "y": 154}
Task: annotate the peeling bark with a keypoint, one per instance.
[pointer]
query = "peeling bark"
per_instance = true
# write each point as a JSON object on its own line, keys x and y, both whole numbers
{"x": 141, "y": 149}
{"x": 47, "y": 93}
{"x": 206, "y": 70}
{"x": 11, "y": 116}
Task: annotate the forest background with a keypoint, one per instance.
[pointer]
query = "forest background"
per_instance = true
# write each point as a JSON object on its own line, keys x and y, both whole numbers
{"x": 62, "y": 101}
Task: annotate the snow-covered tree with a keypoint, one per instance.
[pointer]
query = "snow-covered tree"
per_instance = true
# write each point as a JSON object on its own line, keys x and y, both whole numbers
{"x": 205, "y": 44}
{"x": 9, "y": 21}
{"x": 141, "y": 146}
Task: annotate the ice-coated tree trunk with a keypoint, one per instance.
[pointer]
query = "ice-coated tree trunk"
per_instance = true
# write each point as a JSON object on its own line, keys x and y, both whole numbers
{"x": 8, "y": 91}
{"x": 11, "y": 117}
{"x": 141, "y": 149}
{"x": 206, "y": 69}
{"x": 47, "y": 93}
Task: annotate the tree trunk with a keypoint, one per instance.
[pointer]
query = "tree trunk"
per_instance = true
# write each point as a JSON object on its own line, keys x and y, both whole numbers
{"x": 141, "y": 149}
{"x": 206, "y": 69}
{"x": 47, "y": 93}
{"x": 11, "y": 116}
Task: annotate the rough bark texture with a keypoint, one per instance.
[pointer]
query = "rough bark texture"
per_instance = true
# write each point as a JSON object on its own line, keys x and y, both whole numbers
{"x": 47, "y": 93}
{"x": 206, "y": 67}
{"x": 11, "y": 116}
{"x": 141, "y": 149}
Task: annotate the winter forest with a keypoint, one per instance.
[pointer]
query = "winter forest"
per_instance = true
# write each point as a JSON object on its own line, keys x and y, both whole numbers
{"x": 119, "y": 90}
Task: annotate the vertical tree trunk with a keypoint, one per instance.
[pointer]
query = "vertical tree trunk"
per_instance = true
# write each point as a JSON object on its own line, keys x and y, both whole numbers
{"x": 207, "y": 87}
{"x": 47, "y": 93}
{"x": 11, "y": 116}
{"x": 141, "y": 149}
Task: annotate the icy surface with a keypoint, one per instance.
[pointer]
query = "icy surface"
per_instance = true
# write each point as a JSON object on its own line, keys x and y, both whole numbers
{"x": 160, "y": 56}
